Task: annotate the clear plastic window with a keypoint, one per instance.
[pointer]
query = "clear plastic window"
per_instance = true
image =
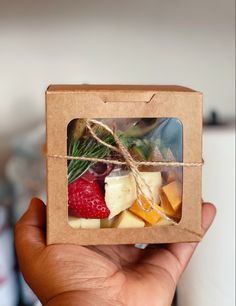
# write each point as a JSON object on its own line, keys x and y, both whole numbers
{"x": 124, "y": 173}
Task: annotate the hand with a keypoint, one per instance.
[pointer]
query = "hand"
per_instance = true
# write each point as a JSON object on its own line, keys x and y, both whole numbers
{"x": 71, "y": 275}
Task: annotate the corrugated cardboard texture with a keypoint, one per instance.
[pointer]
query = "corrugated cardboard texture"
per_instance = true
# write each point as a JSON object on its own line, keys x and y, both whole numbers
{"x": 67, "y": 102}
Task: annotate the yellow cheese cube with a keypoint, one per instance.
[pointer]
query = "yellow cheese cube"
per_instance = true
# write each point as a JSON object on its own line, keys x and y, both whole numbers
{"x": 151, "y": 216}
{"x": 173, "y": 192}
{"x": 165, "y": 204}
{"x": 83, "y": 223}
{"x": 128, "y": 220}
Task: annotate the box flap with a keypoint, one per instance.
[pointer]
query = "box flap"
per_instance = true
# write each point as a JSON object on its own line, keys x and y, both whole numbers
{"x": 97, "y": 87}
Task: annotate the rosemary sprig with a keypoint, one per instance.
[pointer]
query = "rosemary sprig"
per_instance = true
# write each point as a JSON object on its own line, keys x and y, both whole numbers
{"x": 86, "y": 147}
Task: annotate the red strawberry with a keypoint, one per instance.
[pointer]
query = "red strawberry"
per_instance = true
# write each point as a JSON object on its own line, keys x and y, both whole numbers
{"x": 85, "y": 200}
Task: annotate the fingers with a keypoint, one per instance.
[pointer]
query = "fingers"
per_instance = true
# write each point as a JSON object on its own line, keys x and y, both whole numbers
{"x": 174, "y": 258}
{"x": 208, "y": 215}
{"x": 184, "y": 251}
{"x": 35, "y": 214}
{"x": 29, "y": 231}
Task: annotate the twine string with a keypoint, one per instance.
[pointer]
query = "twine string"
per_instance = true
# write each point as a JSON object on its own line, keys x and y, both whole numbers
{"x": 118, "y": 162}
{"x": 99, "y": 140}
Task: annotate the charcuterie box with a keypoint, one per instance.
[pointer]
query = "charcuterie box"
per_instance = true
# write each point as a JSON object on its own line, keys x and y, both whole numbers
{"x": 123, "y": 164}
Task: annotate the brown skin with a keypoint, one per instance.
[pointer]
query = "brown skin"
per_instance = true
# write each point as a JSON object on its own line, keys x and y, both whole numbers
{"x": 70, "y": 275}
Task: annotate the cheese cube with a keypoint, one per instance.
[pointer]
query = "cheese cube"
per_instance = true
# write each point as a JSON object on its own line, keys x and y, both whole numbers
{"x": 165, "y": 204}
{"x": 83, "y": 223}
{"x": 173, "y": 192}
{"x": 151, "y": 216}
{"x": 154, "y": 181}
{"x": 128, "y": 220}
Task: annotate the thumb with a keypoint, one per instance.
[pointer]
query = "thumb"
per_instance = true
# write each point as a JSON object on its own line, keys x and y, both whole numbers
{"x": 29, "y": 231}
{"x": 183, "y": 251}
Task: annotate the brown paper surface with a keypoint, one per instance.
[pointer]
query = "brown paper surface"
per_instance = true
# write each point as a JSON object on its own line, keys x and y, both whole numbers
{"x": 67, "y": 102}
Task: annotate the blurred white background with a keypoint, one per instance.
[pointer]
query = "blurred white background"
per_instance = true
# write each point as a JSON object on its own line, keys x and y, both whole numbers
{"x": 185, "y": 42}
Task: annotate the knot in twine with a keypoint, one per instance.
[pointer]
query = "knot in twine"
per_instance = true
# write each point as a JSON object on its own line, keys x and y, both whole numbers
{"x": 143, "y": 189}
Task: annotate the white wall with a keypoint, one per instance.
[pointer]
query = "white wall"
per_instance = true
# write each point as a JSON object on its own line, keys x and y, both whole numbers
{"x": 183, "y": 42}
{"x": 209, "y": 279}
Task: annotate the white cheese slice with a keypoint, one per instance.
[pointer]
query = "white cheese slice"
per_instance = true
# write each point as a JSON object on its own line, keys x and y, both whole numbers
{"x": 120, "y": 193}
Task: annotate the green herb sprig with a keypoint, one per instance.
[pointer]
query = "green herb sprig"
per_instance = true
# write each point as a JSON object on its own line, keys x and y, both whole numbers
{"x": 86, "y": 147}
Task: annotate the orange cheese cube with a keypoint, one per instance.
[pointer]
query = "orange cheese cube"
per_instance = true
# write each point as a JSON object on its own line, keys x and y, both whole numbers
{"x": 173, "y": 193}
{"x": 151, "y": 217}
{"x": 165, "y": 204}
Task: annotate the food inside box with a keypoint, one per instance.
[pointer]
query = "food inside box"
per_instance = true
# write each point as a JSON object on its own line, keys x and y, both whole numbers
{"x": 122, "y": 172}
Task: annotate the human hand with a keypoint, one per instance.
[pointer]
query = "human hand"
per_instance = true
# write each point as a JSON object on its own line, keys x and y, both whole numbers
{"x": 71, "y": 275}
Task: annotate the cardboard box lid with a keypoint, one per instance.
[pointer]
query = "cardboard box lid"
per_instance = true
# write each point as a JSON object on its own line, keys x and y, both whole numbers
{"x": 97, "y": 87}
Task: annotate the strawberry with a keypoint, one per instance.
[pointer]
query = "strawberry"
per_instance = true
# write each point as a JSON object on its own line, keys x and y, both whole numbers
{"x": 85, "y": 200}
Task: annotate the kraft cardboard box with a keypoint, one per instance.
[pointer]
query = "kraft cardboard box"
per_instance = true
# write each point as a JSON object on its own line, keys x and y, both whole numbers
{"x": 123, "y": 164}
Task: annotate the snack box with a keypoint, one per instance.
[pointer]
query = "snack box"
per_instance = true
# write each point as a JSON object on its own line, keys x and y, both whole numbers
{"x": 123, "y": 164}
